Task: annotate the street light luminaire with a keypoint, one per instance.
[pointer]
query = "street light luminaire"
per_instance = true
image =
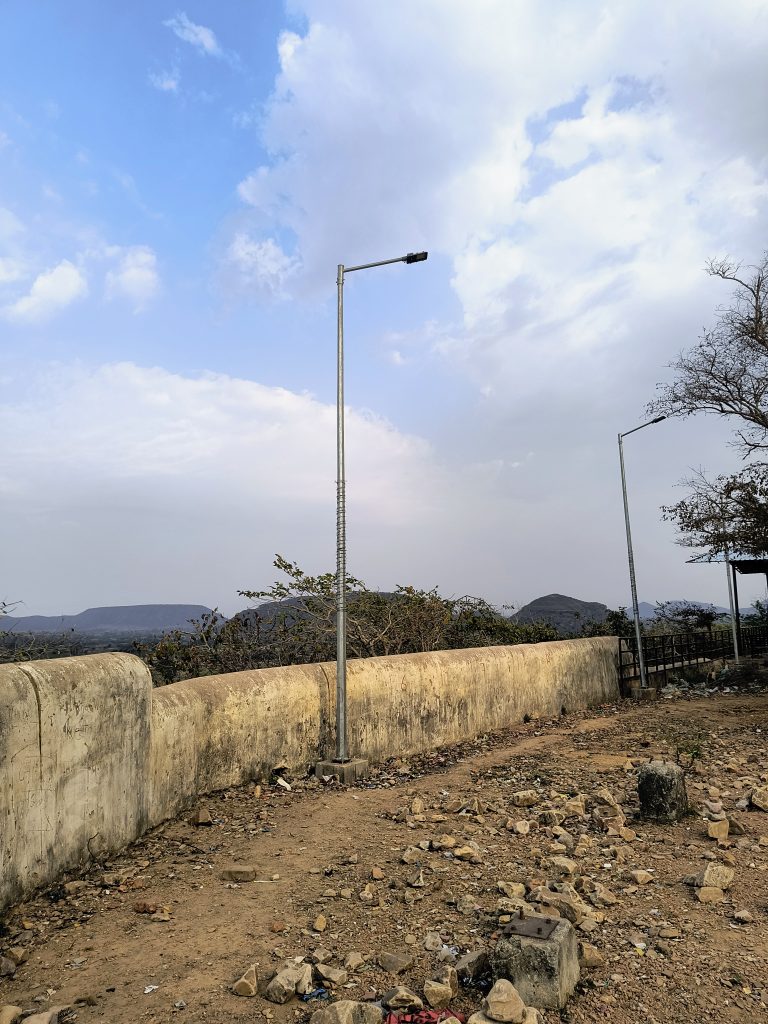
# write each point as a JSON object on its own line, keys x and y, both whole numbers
{"x": 342, "y": 754}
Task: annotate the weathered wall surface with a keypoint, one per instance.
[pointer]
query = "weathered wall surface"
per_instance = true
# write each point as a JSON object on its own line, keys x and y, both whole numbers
{"x": 89, "y": 752}
{"x": 74, "y": 743}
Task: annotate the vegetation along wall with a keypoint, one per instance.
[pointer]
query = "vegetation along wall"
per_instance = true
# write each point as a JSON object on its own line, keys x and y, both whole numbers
{"x": 91, "y": 755}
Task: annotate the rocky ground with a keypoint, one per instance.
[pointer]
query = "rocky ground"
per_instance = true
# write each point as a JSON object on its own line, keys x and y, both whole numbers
{"x": 347, "y": 894}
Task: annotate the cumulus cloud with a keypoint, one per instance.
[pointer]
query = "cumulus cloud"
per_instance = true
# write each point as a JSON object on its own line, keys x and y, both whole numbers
{"x": 51, "y": 291}
{"x": 135, "y": 276}
{"x": 202, "y": 38}
{"x": 575, "y": 164}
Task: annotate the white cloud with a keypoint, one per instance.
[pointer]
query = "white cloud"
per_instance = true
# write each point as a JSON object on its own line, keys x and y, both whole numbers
{"x": 258, "y": 268}
{"x": 575, "y": 163}
{"x": 165, "y": 81}
{"x": 135, "y": 277}
{"x": 51, "y": 292}
{"x": 203, "y": 39}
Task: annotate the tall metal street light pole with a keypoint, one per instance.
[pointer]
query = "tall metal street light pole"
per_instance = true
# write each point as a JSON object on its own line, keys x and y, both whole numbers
{"x": 341, "y": 764}
{"x": 630, "y": 554}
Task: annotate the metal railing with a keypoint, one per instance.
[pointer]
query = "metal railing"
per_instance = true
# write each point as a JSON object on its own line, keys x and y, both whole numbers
{"x": 666, "y": 654}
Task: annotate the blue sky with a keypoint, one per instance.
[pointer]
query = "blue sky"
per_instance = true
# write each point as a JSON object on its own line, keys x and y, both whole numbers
{"x": 177, "y": 185}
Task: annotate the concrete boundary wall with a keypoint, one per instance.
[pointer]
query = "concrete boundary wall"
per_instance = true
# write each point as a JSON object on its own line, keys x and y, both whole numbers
{"x": 91, "y": 755}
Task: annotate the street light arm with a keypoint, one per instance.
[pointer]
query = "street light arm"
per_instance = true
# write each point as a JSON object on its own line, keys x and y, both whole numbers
{"x": 642, "y": 425}
{"x": 411, "y": 257}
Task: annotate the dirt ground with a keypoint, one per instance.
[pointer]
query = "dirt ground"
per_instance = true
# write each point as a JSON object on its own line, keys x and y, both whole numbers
{"x": 661, "y": 955}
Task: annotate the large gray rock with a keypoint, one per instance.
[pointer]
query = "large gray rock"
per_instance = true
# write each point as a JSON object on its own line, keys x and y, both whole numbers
{"x": 544, "y": 971}
{"x": 661, "y": 788}
{"x": 347, "y": 1011}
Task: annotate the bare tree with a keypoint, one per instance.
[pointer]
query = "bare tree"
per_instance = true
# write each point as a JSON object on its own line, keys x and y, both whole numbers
{"x": 726, "y": 372}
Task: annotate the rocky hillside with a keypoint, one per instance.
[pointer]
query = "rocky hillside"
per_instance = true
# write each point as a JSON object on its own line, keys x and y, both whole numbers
{"x": 566, "y": 614}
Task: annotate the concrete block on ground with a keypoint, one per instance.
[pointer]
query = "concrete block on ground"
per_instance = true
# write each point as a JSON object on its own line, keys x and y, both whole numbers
{"x": 347, "y": 772}
{"x": 544, "y": 969}
{"x": 661, "y": 788}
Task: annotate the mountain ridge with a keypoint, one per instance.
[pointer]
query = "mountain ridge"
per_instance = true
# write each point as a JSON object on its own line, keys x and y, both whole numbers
{"x": 132, "y": 618}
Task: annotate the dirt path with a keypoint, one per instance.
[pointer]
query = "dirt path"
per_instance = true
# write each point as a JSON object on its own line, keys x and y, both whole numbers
{"x": 314, "y": 849}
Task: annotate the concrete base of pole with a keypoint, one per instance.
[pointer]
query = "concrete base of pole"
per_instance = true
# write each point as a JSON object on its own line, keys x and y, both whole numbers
{"x": 347, "y": 772}
{"x": 644, "y": 693}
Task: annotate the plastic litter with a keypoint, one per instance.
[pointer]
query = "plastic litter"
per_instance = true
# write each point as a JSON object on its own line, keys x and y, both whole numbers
{"x": 316, "y": 993}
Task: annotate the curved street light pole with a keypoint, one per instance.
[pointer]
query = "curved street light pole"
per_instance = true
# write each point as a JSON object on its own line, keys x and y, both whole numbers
{"x": 342, "y": 752}
{"x": 630, "y": 553}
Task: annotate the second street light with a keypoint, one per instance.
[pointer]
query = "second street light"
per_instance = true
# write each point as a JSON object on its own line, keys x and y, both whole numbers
{"x": 342, "y": 765}
{"x": 630, "y": 553}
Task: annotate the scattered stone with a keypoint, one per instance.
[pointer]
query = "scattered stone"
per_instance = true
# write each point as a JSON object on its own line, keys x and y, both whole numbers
{"x": 285, "y": 984}
{"x": 503, "y": 1003}
{"x": 18, "y": 954}
{"x": 353, "y": 961}
{"x": 437, "y": 994}
{"x": 201, "y": 816}
{"x": 661, "y": 788}
{"x": 522, "y": 828}
{"x": 248, "y": 984}
{"x": 469, "y": 853}
{"x": 73, "y": 888}
{"x": 743, "y": 917}
{"x": 718, "y": 830}
{"x": 400, "y": 998}
{"x": 466, "y": 904}
{"x": 239, "y": 873}
{"x": 515, "y": 890}
{"x": 640, "y": 877}
{"x": 377, "y": 874}
{"x": 321, "y": 955}
{"x": 575, "y": 807}
{"x": 710, "y": 894}
{"x": 412, "y": 855}
{"x": 545, "y": 972}
{"x": 590, "y": 956}
{"x": 347, "y": 1011}
{"x": 525, "y": 798}
{"x": 433, "y": 942}
{"x": 333, "y": 975}
{"x": 564, "y": 866}
{"x": 395, "y": 963}
{"x": 10, "y": 1014}
{"x": 7, "y": 967}
{"x": 472, "y": 965}
{"x": 113, "y": 879}
{"x": 759, "y": 798}
{"x": 717, "y": 875}
{"x": 448, "y": 975}
{"x": 320, "y": 923}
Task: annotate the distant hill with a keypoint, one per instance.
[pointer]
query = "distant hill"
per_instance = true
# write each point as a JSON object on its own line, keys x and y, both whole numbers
{"x": 566, "y": 614}
{"x": 132, "y": 618}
